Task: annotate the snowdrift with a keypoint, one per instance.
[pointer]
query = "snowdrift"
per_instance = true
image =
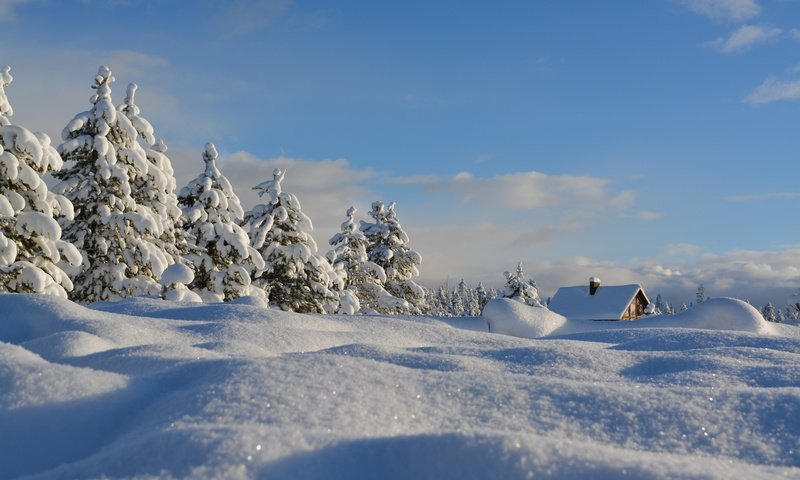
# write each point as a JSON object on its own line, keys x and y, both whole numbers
{"x": 157, "y": 389}
{"x": 514, "y": 318}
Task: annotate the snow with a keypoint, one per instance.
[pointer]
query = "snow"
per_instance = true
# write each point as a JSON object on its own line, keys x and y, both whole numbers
{"x": 159, "y": 389}
{"x": 514, "y": 317}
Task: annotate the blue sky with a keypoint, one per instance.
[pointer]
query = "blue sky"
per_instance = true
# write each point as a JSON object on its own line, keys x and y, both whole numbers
{"x": 651, "y": 142}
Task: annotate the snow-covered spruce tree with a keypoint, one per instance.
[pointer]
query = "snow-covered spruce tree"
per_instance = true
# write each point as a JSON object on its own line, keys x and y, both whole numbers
{"x": 296, "y": 278}
{"x": 518, "y": 289}
{"x": 366, "y": 278}
{"x": 225, "y": 261}
{"x": 30, "y": 237}
{"x": 388, "y": 248}
{"x": 114, "y": 235}
{"x": 155, "y": 187}
{"x": 768, "y": 312}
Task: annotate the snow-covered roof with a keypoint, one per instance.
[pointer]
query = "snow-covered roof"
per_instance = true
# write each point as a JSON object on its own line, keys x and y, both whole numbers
{"x": 608, "y": 303}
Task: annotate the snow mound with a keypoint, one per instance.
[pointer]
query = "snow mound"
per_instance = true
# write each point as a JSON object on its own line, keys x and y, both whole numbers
{"x": 69, "y": 344}
{"x": 177, "y": 273}
{"x": 511, "y": 317}
{"x": 722, "y": 314}
{"x": 514, "y": 318}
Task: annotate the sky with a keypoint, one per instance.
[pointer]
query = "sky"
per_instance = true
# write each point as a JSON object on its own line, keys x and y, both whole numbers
{"x": 641, "y": 142}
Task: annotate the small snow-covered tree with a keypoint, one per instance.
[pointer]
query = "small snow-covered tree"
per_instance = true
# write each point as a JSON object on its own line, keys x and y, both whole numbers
{"x": 295, "y": 277}
{"x": 113, "y": 233}
{"x": 768, "y": 312}
{"x": 518, "y": 289}
{"x": 366, "y": 278}
{"x": 388, "y": 248}
{"x": 225, "y": 261}
{"x": 701, "y": 294}
{"x": 30, "y": 237}
{"x": 154, "y": 187}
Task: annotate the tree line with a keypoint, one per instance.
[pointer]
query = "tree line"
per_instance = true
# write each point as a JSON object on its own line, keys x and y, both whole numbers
{"x": 115, "y": 225}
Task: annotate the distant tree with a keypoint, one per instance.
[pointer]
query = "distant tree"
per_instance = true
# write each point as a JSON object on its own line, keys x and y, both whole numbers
{"x": 30, "y": 237}
{"x": 225, "y": 260}
{"x": 295, "y": 276}
{"x": 768, "y": 312}
{"x": 114, "y": 234}
{"x": 482, "y": 296}
{"x": 701, "y": 294}
{"x": 517, "y": 288}
{"x": 780, "y": 317}
{"x": 684, "y": 307}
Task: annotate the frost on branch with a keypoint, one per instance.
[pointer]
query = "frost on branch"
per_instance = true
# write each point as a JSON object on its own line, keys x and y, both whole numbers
{"x": 296, "y": 277}
{"x": 31, "y": 249}
{"x": 116, "y": 236}
{"x": 224, "y": 261}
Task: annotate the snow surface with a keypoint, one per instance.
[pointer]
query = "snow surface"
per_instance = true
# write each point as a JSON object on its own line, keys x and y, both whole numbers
{"x": 159, "y": 389}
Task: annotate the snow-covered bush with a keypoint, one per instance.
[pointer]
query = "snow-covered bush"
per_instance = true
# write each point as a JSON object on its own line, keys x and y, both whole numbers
{"x": 224, "y": 261}
{"x": 31, "y": 247}
{"x": 518, "y": 289}
{"x": 176, "y": 280}
{"x": 296, "y": 278}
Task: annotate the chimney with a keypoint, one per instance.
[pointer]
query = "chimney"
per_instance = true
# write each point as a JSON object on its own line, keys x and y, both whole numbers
{"x": 594, "y": 284}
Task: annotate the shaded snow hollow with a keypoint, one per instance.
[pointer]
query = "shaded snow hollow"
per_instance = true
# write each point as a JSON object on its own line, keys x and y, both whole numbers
{"x": 169, "y": 390}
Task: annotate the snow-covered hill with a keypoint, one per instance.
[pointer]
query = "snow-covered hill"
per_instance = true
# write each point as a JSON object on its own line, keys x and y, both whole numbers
{"x": 153, "y": 388}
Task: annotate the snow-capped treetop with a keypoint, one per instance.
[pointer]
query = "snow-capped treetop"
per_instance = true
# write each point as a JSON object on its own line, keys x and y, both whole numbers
{"x": 271, "y": 188}
{"x": 132, "y": 111}
{"x": 5, "y": 107}
{"x": 213, "y": 190}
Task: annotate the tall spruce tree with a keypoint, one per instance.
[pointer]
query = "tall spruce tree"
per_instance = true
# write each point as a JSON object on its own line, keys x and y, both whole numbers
{"x": 225, "y": 261}
{"x": 155, "y": 187}
{"x": 388, "y": 248}
{"x": 30, "y": 237}
{"x": 295, "y": 277}
{"x": 114, "y": 234}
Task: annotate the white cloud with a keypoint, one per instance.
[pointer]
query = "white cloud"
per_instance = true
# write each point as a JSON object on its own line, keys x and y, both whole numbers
{"x": 724, "y": 10}
{"x": 526, "y": 190}
{"x": 774, "y": 89}
{"x": 649, "y": 216}
{"x": 745, "y": 37}
{"x": 680, "y": 249}
{"x": 751, "y": 275}
{"x": 795, "y": 33}
{"x": 763, "y": 196}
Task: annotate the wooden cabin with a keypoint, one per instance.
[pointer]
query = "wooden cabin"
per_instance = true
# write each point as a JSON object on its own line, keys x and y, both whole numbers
{"x": 603, "y": 303}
